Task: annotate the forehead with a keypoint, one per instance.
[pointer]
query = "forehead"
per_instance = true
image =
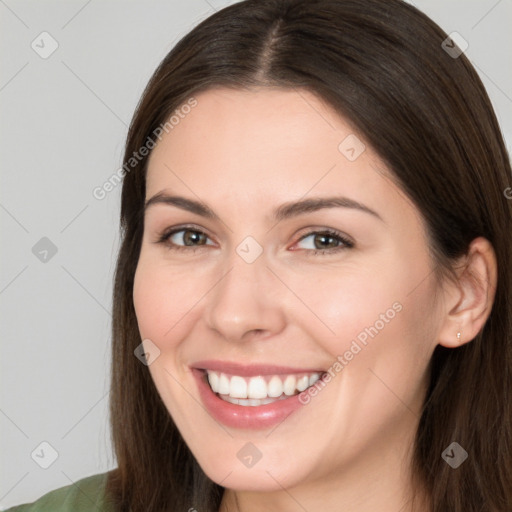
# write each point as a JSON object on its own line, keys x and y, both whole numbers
{"x": 268, "y": 145}
{"x": 243, "y": 123}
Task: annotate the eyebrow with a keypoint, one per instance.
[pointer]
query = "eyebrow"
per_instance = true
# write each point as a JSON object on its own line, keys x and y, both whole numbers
{"x": 285, "y": 211}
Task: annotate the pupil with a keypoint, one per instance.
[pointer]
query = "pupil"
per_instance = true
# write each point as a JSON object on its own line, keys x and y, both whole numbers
{"x": 323, "y": 238}
{"x": 192, "y": 237}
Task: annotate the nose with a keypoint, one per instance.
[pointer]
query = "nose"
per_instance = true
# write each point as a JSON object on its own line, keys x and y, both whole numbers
{"x": 245, "y": 303}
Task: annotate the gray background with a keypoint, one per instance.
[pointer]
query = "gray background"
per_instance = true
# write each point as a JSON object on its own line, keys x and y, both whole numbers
{"x": 64, "y": 119}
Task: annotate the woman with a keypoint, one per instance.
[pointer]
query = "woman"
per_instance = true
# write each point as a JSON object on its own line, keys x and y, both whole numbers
{"x": 311, "y": 304}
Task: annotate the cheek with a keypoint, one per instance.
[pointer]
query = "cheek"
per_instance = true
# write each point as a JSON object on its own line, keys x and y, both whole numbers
{"x": 372, "y": 313}
{"x": 164, "y": 301}
{"x": 348, "y": 304}
{"x": 379, "y": 352}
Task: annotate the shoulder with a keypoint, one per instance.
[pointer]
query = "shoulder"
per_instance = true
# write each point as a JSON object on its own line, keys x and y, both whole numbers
{"x": 84, "y": 495}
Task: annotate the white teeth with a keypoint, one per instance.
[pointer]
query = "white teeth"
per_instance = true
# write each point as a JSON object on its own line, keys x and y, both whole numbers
{"x": 253, "y": 391}
{"x": 313, "y": 378}
{"x": 223, "y": 385}
{"x": 213, "y": 379}
{"x": 257, "y": 388}
{"x": 289, "y": 385}
{"x": 238, "y": 387}
{"x": 275, "y": 387}
{"x": 249, "y": 402}
{"x": 302, "y": 383}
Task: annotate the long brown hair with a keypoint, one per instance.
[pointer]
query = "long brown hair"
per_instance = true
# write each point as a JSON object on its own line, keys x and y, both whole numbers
{"x": 381, "y": 65}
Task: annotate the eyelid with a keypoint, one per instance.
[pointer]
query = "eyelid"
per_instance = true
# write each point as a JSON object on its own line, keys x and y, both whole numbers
{"x": 314, "y": 230}
{"x": 168, "y": 232}
{"x": 346, "y": 242}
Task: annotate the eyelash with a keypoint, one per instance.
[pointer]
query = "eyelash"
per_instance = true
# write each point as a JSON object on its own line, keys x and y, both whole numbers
{"x": 346, "y": 244}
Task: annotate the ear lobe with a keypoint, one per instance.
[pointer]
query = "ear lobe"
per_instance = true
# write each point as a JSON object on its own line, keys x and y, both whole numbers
{"x": 469, "y": 301}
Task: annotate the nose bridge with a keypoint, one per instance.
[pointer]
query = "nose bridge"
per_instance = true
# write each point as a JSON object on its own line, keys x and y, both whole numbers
{"x": 240, "y": 301}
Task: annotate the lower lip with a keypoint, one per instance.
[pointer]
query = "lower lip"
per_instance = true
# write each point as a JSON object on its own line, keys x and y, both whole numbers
{"x": 240, "y": 416}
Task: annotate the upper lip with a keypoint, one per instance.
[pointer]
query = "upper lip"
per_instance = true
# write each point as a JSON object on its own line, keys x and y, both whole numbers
{"x": 250, "y": 370}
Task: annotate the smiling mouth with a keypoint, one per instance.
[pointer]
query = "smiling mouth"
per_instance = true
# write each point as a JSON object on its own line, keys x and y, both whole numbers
{"x": 258, "y": 390}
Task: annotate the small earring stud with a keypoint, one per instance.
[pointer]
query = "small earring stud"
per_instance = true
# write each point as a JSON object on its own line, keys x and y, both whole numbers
{"x": 458, "y": 336}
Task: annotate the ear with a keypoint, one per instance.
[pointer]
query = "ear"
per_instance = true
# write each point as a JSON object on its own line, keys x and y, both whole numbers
{"x": 468, "y": 302}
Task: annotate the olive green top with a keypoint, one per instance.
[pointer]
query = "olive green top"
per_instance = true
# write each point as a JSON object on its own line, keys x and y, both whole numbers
{"x": 85, "y": 495}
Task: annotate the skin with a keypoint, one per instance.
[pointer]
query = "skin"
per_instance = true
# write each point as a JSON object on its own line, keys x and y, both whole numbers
{"x": 244, "y": 153}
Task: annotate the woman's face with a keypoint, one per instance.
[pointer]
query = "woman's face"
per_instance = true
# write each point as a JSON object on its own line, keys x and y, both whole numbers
{"x": 237, "y": 292}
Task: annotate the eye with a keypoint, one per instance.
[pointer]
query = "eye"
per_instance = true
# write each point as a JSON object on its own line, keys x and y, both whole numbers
{"x": 188, "y": 238}
{"x": 326, "y": 241}
{"x": 183, "y": 238}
